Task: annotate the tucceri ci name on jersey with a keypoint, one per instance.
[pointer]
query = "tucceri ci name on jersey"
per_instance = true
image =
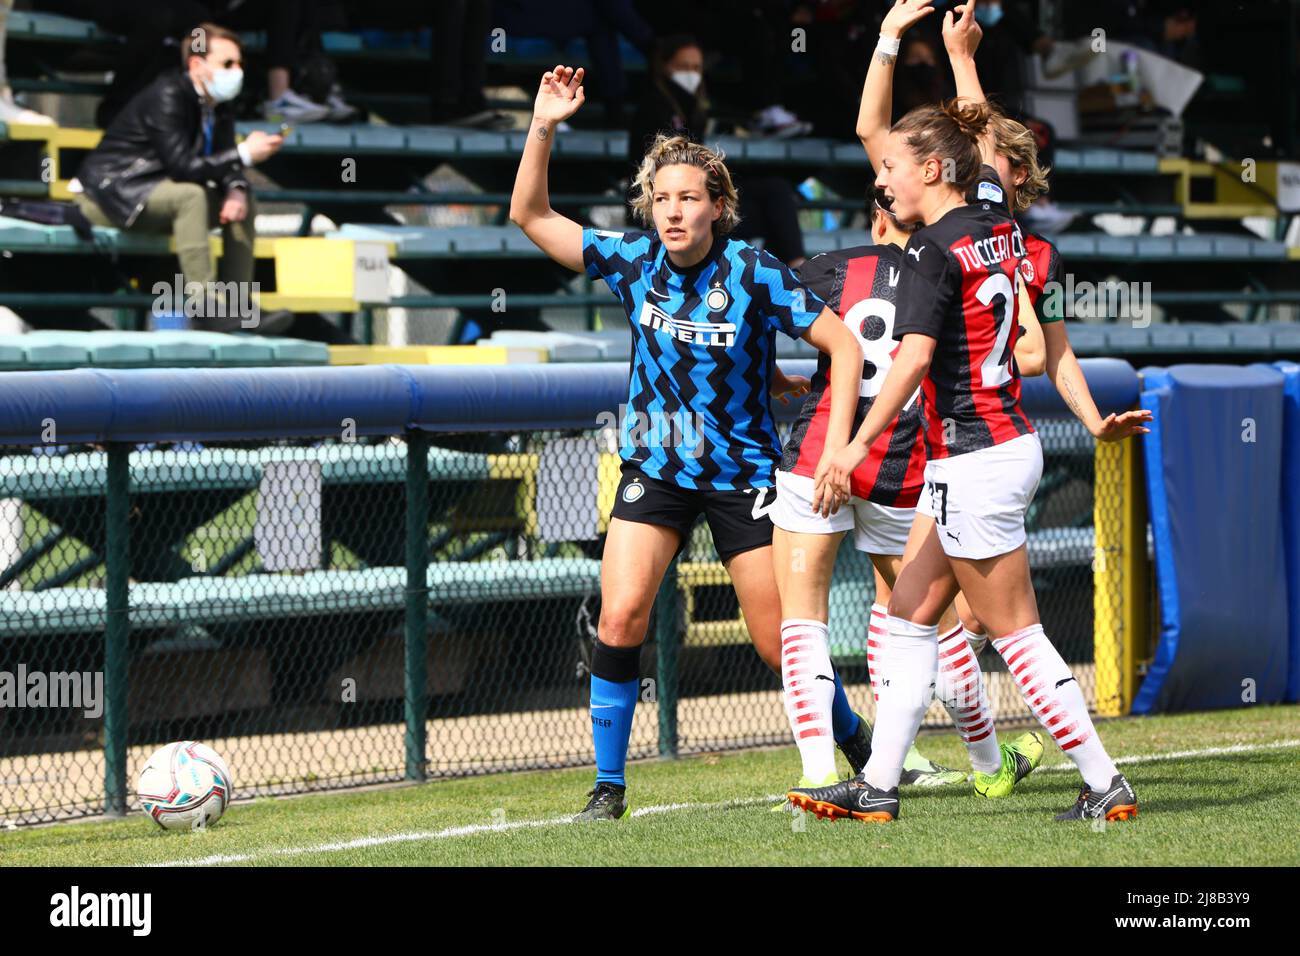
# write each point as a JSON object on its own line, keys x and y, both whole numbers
{"x": 984, "y": 254}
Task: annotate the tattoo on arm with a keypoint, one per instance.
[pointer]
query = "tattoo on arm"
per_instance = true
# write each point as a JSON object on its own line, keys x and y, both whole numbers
{"x": 1072, "y": 398}
{"x": 543, "y": 132}
{"x": 887, "y": 59}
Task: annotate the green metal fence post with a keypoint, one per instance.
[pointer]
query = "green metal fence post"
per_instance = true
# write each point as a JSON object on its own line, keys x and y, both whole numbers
{"x": 117, "y": 561}
{"x": 666, "y": 640}
{"x": 417, "y": 600}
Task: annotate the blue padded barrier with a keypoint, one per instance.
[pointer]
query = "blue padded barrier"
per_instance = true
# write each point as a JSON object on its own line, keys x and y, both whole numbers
{"x": 1291, "y": 517}
{"x": 1214, "y": 487}
{"x": 101, "y": 404}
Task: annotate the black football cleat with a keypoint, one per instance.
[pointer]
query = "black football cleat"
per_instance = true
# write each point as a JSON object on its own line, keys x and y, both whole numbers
{"x": 857, "y": 749}
{"x": 608, "y": 802}
{"x": 854, "y": 798}
{"x": 1118, "y": 802}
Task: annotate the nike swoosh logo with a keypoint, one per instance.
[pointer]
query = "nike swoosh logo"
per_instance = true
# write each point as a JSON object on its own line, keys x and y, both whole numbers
{"x": 824, "y": 677}
{"x": 873, "y": 803}
{"x": 602, "y": 706}
{"x": 1064, "y": 680}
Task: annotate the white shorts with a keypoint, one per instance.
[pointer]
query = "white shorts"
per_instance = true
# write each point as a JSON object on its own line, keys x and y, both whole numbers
{"x": 978, "y": 500}
{"x": 877, "y": 529}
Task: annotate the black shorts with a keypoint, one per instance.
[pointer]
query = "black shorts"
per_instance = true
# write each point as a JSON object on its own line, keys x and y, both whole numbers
{"x": 738, "y": 519}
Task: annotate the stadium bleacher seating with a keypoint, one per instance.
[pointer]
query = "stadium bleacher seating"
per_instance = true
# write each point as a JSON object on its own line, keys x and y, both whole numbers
{"x": 1206, "y": 269}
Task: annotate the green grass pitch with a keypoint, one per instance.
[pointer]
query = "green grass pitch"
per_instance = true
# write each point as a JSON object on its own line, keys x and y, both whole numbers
{"x": 1220, "y": 789}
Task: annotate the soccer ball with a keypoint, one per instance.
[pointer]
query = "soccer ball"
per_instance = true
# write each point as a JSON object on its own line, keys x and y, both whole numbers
{"x": 185, "y": 786}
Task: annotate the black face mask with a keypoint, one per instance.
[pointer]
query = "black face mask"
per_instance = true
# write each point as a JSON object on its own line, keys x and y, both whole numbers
{"x": 919, "y": 75}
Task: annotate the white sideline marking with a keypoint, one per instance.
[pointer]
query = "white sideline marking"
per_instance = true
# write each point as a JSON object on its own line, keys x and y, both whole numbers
{"x": 473, "y": 829}
{"x": 1184, "y": 754}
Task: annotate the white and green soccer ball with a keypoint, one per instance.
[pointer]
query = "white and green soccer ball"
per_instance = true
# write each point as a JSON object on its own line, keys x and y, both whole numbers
{"x": 185, "y": 786}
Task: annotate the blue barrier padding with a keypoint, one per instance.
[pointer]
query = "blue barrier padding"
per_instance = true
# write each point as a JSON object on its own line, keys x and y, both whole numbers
{"x": 99, "y": 404}
{"x": 1291, "y": 517}
{"x": 1214, "y": 472}
{"x": 495, "y": 397}
{"x": 211, "y": 404}
{"x": 38, "y": 408}
{"x": 1112, "y": 382}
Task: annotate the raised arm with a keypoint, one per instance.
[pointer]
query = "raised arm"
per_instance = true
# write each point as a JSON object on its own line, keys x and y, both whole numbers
{"x": 878, "y": 89}
{"x": 961, "y": 37}
{"x": 1064, "y": 371}
{"x": 558, "y": 98}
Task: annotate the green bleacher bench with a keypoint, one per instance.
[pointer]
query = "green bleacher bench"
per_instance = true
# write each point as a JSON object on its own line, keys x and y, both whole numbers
{"x": 209, "y": 600}
{"x": 1100, "y": 161}
{"x": 58, "y": 349}
{"x": 429, "y": 242}
{"x": 51, "y": 27}
{"x": 84, "y": 474}
{"x": 449, "y": 142}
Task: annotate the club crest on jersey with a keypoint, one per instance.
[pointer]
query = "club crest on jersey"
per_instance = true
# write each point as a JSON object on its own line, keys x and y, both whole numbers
{"x": 686, "y": 330}
{"x": 990, "y": 191}
{"x": 717, "y": 300}
{"x": 1027, "y": 270}
{"x": 633, "y": 492}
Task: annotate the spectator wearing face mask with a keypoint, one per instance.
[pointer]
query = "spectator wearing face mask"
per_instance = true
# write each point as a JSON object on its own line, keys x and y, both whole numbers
{"x": 676, "y": 102}
{"x": 169, "y": 163}
{"x": 1009, "y": 35}
{"x": 917, "y": 80}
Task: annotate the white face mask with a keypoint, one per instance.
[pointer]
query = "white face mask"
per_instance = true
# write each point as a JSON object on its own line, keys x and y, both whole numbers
{"x": 689, "y": 80}
{"x": 225, "y": 84}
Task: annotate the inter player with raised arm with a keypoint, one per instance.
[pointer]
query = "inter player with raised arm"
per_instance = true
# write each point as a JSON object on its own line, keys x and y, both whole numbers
{"x": 957, "y": 324}
{"x": 704, "y": 310}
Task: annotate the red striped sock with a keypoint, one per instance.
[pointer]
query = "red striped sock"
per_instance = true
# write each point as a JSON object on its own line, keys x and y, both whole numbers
{"x": 906, "y": 660}
{"x": 876, "y": 631}
{"x": 809, "y": 683}
{"x": 1057, "y": 701}
{"x": 960, "y": 686}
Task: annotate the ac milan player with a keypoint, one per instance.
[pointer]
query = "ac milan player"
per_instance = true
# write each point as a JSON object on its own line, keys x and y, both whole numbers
{"x": 1021, "y": 179}
{"x": 859, "y": 285}
{"x": 957, "y": 324}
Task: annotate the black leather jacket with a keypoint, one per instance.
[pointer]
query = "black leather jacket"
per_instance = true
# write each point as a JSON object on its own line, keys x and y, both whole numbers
{"x": 159, "y": 135}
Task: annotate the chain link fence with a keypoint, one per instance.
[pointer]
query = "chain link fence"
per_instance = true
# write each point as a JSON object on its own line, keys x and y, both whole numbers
{"x": 275, "y": 601}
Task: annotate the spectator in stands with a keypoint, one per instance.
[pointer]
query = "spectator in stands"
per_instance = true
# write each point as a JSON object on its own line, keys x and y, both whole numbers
{"x": 918, "y": 79}
{"x": 675, "y": 102}
{"x": 11, "y": 112}
{"x": 600, "y": 23}
{"x": 757, "y": 34}
{"x": 1009, "y": 37}
{"x": 151, "y": 28}
{"x": 169, "y": 163}
{"x": 459, "y": 52}
{"x": 293, "y": 54}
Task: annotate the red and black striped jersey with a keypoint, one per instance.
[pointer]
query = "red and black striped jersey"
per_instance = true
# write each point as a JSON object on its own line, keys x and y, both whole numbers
{"x": 1042, "y": 263}
{"x": 860, "y": 286}
{"x": 959, "y": 286}
{"x": 1040, "y": 266}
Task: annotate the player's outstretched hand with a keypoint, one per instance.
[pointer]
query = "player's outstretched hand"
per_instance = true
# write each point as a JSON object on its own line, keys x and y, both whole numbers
{"x": 961, "y": 38}
{"x": 903, "y": 14}
{"x": 831, "y": 479}
{"x": 560, "y": 94}
{"x": 1124, "y": 425}
{"x": 786, "y": 387}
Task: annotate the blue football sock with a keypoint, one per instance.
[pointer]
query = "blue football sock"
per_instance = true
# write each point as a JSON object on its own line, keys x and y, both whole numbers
{"x": 844, "y": 721}
{"x": 612, "y": 706}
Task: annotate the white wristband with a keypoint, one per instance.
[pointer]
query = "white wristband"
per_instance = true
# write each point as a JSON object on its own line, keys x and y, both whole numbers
{"x": 888, "y": 45}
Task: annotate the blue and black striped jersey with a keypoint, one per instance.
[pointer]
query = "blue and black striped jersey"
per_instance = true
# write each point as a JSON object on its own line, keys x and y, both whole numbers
{"x": 699, "y": 412}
